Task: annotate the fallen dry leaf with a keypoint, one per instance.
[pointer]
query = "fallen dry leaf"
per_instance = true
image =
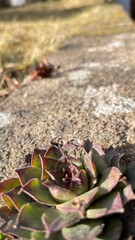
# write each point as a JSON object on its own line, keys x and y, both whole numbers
{"x": 41, "y": 70}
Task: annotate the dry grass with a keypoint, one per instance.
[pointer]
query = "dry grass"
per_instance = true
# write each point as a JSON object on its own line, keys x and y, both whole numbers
{"x": 31, "y": 32}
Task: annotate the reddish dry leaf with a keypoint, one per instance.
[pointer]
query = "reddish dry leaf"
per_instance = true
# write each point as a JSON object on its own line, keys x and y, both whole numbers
{"x": 41, "y": 70}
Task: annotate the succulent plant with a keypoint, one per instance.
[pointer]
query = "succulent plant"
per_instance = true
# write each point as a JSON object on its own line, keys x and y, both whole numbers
{"x": 68, "y": 192}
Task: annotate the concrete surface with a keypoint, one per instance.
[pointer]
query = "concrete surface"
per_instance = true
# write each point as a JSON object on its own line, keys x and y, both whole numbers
{"x": 93, "y": 95}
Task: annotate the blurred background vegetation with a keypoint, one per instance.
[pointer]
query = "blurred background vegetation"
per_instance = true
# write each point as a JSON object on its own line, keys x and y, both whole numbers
{"x": 31, "y": 32}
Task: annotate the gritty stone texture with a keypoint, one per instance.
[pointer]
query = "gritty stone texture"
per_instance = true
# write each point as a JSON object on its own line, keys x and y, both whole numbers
{"x": 107, "y": 101}
{"x": 92, "y": 96}
{"x": 5, "y": 119}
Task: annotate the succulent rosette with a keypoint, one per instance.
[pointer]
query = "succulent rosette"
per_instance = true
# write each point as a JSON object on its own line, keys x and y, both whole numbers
{"x": 68, "y": 191}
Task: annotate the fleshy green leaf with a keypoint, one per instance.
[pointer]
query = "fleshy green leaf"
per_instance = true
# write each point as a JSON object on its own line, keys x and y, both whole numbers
{"x": 63, "y": 171}
{"x": 16, "y": 198}
{"x": 80, "y": 202}
{"x": 36, "y": 235}
{"x": 75, "y": 161}
{"x": 98, "y": 156}
{"x": 60, "y": 194}
{"x": 112, "y": 230}
{"x": 54, "y": 220}
{"x": 48, "y": 164}
{"x": 35, "y": 160}
{"x": 80, "y": 183}
{"x": 90, "y": 169}
{"x": 88, "y": 230}
{"x": 128, "y": 194}
{"x": 2, "y": 236}
{"x": 38, "y": 192}
{"x": 87, "y": 145}
{"x": 6, "y": 213}
{"x": 53, "y": 152}
{"x": 9, "y": 202}
{"x": 9, "y": 184}
{"x": 131, "y": 174}
{"x": 14, "y": 231}
{"x": 53, "y": 194}
{"x": 70, "y": 146}
{"x": 2, "y": 222}
{"x": 109, "y": 179}
{"x": 105, "y": 206}
{"x": 56, "y": 236}
{"x": 27, "y": 173}
{"x": 47, "y": 176}
{"x": 113, "y": 156}
{"x": 29, "y": 217}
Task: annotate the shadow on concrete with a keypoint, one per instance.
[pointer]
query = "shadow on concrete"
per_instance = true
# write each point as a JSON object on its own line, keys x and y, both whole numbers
{"x": 129, "y": 151}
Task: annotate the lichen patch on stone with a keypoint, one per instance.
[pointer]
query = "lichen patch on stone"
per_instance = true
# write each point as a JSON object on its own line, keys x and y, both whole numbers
{"x": 123, "y": 105}
{"x": 5, "y": 119}
{"x": 107, "y": 100}
{"x": 79, "y": 77}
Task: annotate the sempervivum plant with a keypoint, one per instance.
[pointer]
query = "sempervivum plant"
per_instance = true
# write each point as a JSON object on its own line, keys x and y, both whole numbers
{"x": 68, "y": 192}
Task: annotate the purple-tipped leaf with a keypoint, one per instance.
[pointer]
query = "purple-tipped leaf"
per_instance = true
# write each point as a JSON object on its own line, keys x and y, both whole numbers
{"x": 109, "y": 179}
{"x": 38, "y": 192}
{"x": 70, "y": 146}
{"x": 98, "y": 156}
{"x": 9, "y": 184}
{"x": 128, "y": 194}
{"x": 35, "y": 160}
{"x": 29, "y": 217}
{"x": 87, "y": 145}
{"x": 80, "y": 202}
{"x": 9, "y": 203}
{"x": 105, "y": 206}
{"x": 90, "y": 169}
{"x": 58, "y": 193}
{"x": 48, "y": 164}
{"x": 88, "y": 230}
{"x": 27, "y": 173}
{"x": 16, "y": 198}
{"x": 48, "y": 176}
{"x": 80, "y": 183}
{"x": 75, "y": 161}
{"x": 113, "y": 156}
{"x": 6, "y": 213}
{"x": 53, "y": 152}
{"x": 54, "y": 220}
{"x": 16, "y": 232}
